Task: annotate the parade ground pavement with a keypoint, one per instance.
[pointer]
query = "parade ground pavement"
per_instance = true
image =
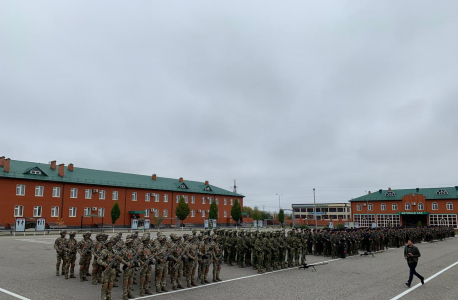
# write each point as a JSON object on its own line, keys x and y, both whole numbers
{"x": 27, "y": 267}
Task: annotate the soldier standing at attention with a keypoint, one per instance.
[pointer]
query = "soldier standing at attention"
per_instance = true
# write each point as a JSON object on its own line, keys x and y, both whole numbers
{"x": 191, "y": 255}
{"x": 59, "y": 245}
{"x": 129, "y": 257}
{"x": 84, "y": 249}
{"x": 217, "y": 258}
{"x": 259, "y": 249}
{"x": 162, "y": 265}
{"x": 96, "y": 249}
{"x": 109, "y": 259}
{"x": 146, "y": 261}
{"x": 176, "y": 263}
{"x": 70, "y": 255}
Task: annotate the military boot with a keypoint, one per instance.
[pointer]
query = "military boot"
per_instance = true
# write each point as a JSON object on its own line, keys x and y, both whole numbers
{"x": 63, "y": 271}
{"x": 104, "y": 294}
{"x": 214, "y": 278}
{"x": 217, "y": 277}
{"x": 188, "y": 283}
{"x": 94, "y": 280}
{"x": 57, "y": 271}
{"x": 142, "y": 291}
{"x": 81, "y": 277}
{"x": 130, "y": 295}
{"x": 205, "y": 279}
{"x": 124, "y": 293}
{"x": 147, "y": 291}
{"x": 66, "y": 275}
{"x": 108, "y": 294}
{"x": 163, "y": 285}
{"x": 193, "y": 281}
{"x": 72, "y": 274}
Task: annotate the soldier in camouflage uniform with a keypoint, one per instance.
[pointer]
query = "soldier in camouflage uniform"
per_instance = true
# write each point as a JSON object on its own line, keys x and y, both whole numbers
{"x": 146, "y": 262}
{"x": 162, "y": 265}
{"x": 241, "y": 244}
{"x": 303, "y": 246}
{"x": 282, "y": 249}
{"x": 70, "y": 255}
{"x": 96, "y": 249}
{"x": 249, "y": 240}
{"x": 176, "y": 264}
{"x": 231, "y": 242}
{"x": 255, "y": 253}
{"x": 275, "y": 251}
{"x": 268, "y": 248}
{"x": 217, "y": 254}
{"x": 109, "y": 258}
{"x": 191, "y": 255}
{"x": 290, "y": 246}
{"x": 129, "y": 257}
{"x": 259, "y": 248}
{"x": 84, "y": 250}
{"x": 206, "y": 257}
{"x": 59, "y": 246}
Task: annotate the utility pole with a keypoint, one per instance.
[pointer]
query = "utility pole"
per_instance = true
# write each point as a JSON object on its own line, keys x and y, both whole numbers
{"x": 314, "y": 208}
{"x": 279, "y": 195}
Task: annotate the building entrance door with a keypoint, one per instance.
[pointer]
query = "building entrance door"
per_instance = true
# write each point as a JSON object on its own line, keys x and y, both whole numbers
{"x": 413, "y": 220}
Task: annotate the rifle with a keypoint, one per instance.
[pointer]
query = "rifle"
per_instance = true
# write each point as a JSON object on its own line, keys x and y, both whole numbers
{"x": 72, "y": 249}
{"x": 134, "y": 260}
{"x": 306, "y": 266}
{"x": 112, "y": 262}
{"x": 148, "y": 261}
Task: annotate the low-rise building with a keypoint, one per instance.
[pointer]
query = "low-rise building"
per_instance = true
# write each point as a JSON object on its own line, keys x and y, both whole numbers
{"x": 304, "y": 214}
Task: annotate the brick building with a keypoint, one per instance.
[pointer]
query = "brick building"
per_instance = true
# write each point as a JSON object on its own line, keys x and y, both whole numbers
{"x": 52, "y": 191}
{"x": 303, "y": 214}
{"x": 407, "y": 207}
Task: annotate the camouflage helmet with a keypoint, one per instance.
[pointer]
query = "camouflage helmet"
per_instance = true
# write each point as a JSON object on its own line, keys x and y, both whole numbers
{"x": 72, "y": 233}
{"x": 112, "y": 241}
{"x": 87, "y": 233}
{"x": 128, "y": 241}
{"x": 63, "y": 232}
{"x": 194, "y": 232}
{"x": 145, "y": 237}
{"x": 215, "y": 237}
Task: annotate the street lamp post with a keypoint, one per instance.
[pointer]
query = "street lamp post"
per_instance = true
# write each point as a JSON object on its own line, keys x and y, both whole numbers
{"x": 314, "y": 208}
{"x": 279, "y": 195}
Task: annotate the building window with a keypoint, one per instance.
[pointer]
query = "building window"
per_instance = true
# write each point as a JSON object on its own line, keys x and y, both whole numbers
{"x": 18, "y": 210}
{"x": 420, "y": 206}
{"x": 225, "y": 214}
{"x": 383, "y": 206}
{"x": 388, "y": 220}
{"x": 147, "y": 199}
{"x": 156, "y": 212}
{"x": 370, "y": 206}
{"x": 192, "y": 213}
{"x": 443, "y": 220}
{"x": 102, "y": 195}
{"x": 157, "y": 197}
{"x": 178, "y": 198}
{"x": 407, "y": 206}
{"x": 217, "y": 201}
{"x": 394, "y": 206}
{"x": 20, "y": 190}
{"x": 166, "y": 198}
{"x": 55, "y": 211}
{"x": 87, "y": 211}
{"x": 449, "y": 206}
{"x": 74, "y": 193}
{"x": 390, "y": 194}
{"x": 435, "y": 206}
{"x": 39, "y": 191}
{"x": 134, "y": 196}
{"x": 203, "y": 213}
{"x": 210, "y": 200}
{"x": 147, "y": 213}
{"x": 101, "y": 212}
{"x": 72, "y": 212}
{"x": 203, "y": 200}
{"x": 358, "y": 207}
{"x": 88, "y": 194}
{"x": 232, "y": 201}
{"x": 225, "y": 201}
{"x": 185, "y": 199}
{"x": 115, "y": 195}
{"x": 193, "y": 199}
{"x": 56, "y": 192}
{"x": 442, "y": 192}
{"x": 164, "y": 213}
{"x": 364, "y": 220}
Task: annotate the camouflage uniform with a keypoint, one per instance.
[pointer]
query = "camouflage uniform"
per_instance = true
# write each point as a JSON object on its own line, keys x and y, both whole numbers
{"x": 176, "y": 264}
{"x": 59, "y": 245}
{"x": 162, "y": 265}
{"x": 146, "y": 262}
{"x": 206, "y": 257}
{"x": 259, "y": 248}
{"x": 217, "y": 258}
{"x": 84, "y": 250}
{"x": 191, "y": 255}
{"x": 109, "y": 258}
{"x": 129, "y": 257}
{"x": 70, "y": 255}
{"x": 96, "y": 268}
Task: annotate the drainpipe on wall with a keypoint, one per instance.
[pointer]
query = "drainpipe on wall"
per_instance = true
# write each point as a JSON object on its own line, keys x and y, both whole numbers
{"x": 125, "y": 207}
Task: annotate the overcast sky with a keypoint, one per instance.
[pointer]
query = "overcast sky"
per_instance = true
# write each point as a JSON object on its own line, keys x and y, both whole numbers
{"x": 283, "y": 96}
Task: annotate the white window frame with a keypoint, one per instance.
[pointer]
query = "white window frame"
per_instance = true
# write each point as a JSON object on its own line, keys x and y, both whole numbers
{"x": 449, "y": 206}
{"x": 178, "y": 198}
{"x": 87, "y": 209}
{"x": 225, "y": 214}
{"x": 166, "y": 198}
{"x": 165, "y": 212}
{"x": 435, "y": 204}
{"x": 101, "y": 211}
{"x": 203, "y": 213}
{"x": 225, "y": 201}
{"x": 217, "y": 201}
{"x": 147, "y": 213}
{"x": 134, "y": 196}
{"x": 394, "y": 206}
{"x": 370, "y": 207}
{"x": 72, "y": 212}
{"x": 407, "y": 206}
{"x": 210, "y": 200}
{"x": 193, "y": 200}
{"x": 421, "y": 206}
{"x": 157, "y": 197}
{"x": 383, "y": 206}
{"x": 39, "y": 190}
{"x": 18, "y": 210}
{"x": 20, "y": 189}
{"x": 102, "y": 194}
{"x": 192, "y": 213}
{"x": 88, "y": 194}
{"x": 115, "y": 195}
{"x": 147, "y": 197}
{"x": 232, "y": 201}
{"x": 54, "y": 211}
{"x": 203, "y": 200}
{"x": 185, "y": 199}
{"x": 358, "y": 207}
{"x": 74, "y": 193}
{"x": 156, "y": 212}
{"x": 56, "y": 191}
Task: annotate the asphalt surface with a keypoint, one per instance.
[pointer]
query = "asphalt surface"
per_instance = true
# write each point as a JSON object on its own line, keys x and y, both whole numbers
{"x": 27, "y": 267}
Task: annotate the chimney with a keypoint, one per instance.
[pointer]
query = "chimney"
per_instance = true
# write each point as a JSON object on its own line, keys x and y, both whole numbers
{"x": 154, "y": 177}
{"x": 206, "y": 182}
{"x": 53, "y": 165}
{"x": 417, "y": 189}
{"x": 7, "y": 165}
{"x": 181, "y": 179}
{"x": 61, "y": 170}
{"x": 70, "y": 167}
{"x": 389, "y": 189}
{"x": 369, "y": 192}
{"x": 380, "y": 191}
{"x": 2, "y": 161}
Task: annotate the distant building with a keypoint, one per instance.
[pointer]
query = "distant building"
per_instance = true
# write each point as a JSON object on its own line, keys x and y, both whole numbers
{"x": 407, "y": 207}
{"x": 303, "y": 214}
{"x": 51, "y": 191}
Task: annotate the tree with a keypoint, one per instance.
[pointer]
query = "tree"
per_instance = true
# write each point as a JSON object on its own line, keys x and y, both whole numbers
{"x": 339, "y": 226}
{"x": 248, "y": 210}
{"x": 182, "y": 210}
{"x": 256, "y": 214}
{"x": 281, "y": 217}
{"x": 236, "y": 211}
{"x": 213, "y": 214}
{"x": 265, "y": 215}
{"x": 115, "y": 213}
{"x": 158, "y": 222}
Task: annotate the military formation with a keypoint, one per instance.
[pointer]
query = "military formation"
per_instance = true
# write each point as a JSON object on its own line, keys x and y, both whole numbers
{"x": 187, "y": 259}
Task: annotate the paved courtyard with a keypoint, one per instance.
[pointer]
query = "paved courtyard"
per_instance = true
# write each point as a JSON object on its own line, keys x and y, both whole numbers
{"x": 27, "y": 267}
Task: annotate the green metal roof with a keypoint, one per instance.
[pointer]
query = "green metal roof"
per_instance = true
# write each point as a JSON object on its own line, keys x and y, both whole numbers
{"x": 136, "y": 212}
{"x": 108, "y": 178}
{"x": 429, "y": 193}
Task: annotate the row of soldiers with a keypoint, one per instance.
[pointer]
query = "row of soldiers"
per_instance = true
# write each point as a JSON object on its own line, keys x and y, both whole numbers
{"x": 175, "y": 256}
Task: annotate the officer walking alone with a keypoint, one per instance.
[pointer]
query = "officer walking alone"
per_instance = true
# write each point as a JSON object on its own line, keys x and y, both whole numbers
{"x": 411, "y": 254}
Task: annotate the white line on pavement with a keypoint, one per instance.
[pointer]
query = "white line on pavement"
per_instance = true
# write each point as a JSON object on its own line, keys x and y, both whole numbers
{"x": 34, "y": 241}
{"x": 419, "y": 284}
{"x": 13, "y": 294}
